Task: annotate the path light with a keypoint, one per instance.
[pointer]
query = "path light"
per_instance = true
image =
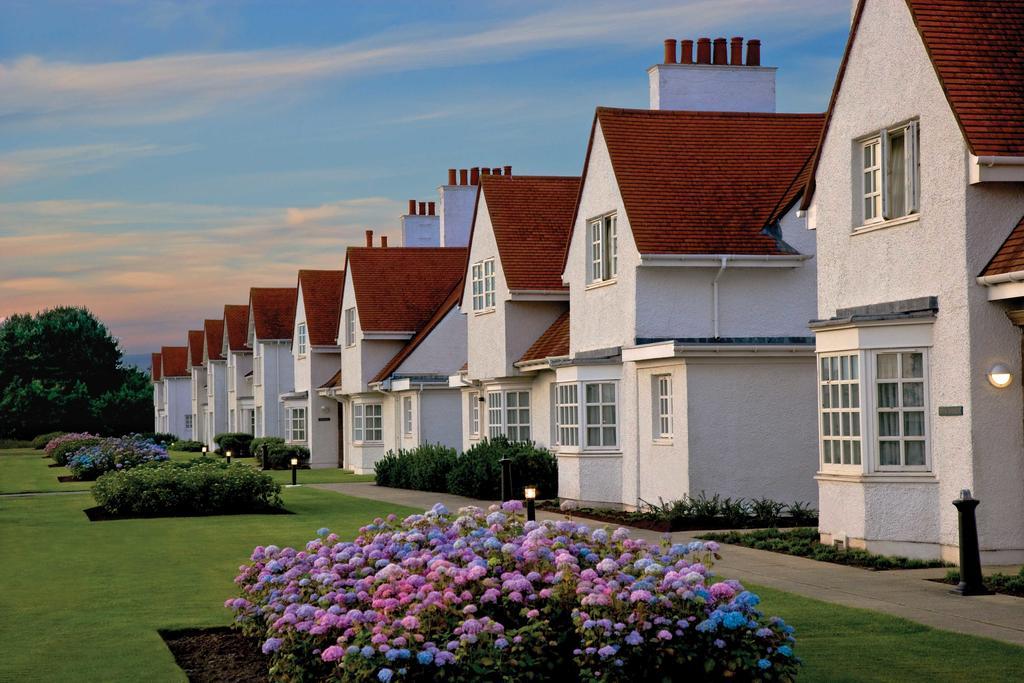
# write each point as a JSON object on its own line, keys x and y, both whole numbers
{"x": 204, "y": 451}
{"x": 1000, "y": 376}
{"x": 295, "y": 471}
{"x": 228, "y": 456}
{"x": 530, "y": 494}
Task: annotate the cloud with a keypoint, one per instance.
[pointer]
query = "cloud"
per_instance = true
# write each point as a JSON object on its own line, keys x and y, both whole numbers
{"x": 174, "y": 87}
{"x": 50, "y": 162}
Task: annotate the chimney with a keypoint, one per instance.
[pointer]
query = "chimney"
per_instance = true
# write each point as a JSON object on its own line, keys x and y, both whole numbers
{"x": 383, "y": 241}
{"x": 431, "y": 209}
{"x": 451, "y": 176}
{"x": 703, "y": 50}
{"x": 412, "y": 207}
{"x": 670, "y": 50}
{"x": 463, "y": 176}
{"x": 736, "y": 51}
{"x": 369, "y": 238}
{"x": 730, "y": 86}
{"x": 754, "y": 52}
{"x": 686, "y": 52}
{"x": 508, "y": 170}
{"x": 485, "y": 171}
{"x": 496, "y": 171}
{"x": 423, "y": 209}
{"x": 720, "y": 51}
{"x": 474, "y": 176}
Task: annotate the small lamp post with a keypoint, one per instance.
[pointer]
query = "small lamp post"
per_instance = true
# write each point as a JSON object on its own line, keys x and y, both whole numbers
{"x": 228, "y": 456}
{"x": 295, "y": 471}
{"x": 506, "y": 479}
{"x": 530, "y": 494}
{"x": 971, "y": 581}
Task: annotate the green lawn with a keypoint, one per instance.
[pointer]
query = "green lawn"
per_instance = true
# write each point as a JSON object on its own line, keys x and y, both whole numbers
{"x": 83, "y": 601}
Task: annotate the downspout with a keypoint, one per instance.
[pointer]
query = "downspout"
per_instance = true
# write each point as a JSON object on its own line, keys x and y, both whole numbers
{"x": 636, "y": 381}
{"x": 419, "y": 415}
{"x": 714, "y": 295}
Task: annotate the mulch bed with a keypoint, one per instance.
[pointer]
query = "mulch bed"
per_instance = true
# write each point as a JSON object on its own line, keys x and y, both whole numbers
{"x": 615, "y": 517}
{"x": 65, "y": 478}
{"x": 55, "y": 464}
{"x": 98, "y": 514}
{"x": 217, "y": 655}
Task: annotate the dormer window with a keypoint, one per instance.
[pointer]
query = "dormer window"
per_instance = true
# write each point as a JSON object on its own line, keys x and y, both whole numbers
{"x": 890, "y": 172}
{"x": 604, "y": 249}
{"x": 483, "y": 285}
{"x": 301, "y": 341}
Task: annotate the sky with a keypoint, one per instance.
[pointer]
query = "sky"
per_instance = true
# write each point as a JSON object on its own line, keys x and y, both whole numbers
{"x": 159, "y": 158}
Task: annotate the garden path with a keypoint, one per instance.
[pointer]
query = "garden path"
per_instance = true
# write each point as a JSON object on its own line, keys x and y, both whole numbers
{"x": 908, "y": 593}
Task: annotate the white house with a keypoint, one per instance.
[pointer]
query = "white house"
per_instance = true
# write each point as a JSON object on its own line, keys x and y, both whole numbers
{"x": 691, "y": 280}
{"x": 216, "y": 381}
{"x": 916, "y": 197}
{"x": 311, "y": 419}
{"x": 271, "y": 323}
{"x": 238, "y": 369}
{"x": 197, "y": 383}
{"x": 159, "y": 398}
{"x": 512, "y": 293}
{"x": 176, "y": 380}
{"x": 401, "y": 336}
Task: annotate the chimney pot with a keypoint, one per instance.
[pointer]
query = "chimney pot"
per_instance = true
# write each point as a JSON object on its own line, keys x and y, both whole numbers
{"x": 431, "y": 208}
{"x": 703, "y": 50}
{"x": 485, "y": 171}
{"x": 720, "y": 51}
{"x": 451, "y": 176}
{"x": 412, "y": 207}
{"x": 423, "y": 209}
{"x": 474, "y": 176}
{"x": 496, "y": 171}
{"x": 686, "y": 52}
{"x": 753, "y": 52}
{"x": 383, "y": 241}
{"x": 736, "y": 51}
{"x": 463, "y": 176}
{"x": 369, "y": 238}
{"x": 508, "y": 170}
{"x": 670, "y": 50}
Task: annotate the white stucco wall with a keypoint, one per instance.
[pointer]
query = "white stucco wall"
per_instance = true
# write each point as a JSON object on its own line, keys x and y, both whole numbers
{"x": 277, "y": 378}
{"x": 421, "y": 231}
{"x": 364, "y": 359}
{"x": 939, "y": 254}
{"x": 217, "y": 399}
{"x": 438, "y": 412}
{"x": 442, "y": 352}
{"x": 198, "y": 401}
{"x": 179, "y": 404}
{"x": 456, "y": 211}
{"x": 712, "y": 87}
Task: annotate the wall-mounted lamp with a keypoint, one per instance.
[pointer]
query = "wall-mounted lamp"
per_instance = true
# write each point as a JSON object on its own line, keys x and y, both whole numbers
{"x": 1000, "y": 376}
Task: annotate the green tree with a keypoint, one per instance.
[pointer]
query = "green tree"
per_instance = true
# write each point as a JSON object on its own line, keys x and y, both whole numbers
{"x": 61, "y": 369}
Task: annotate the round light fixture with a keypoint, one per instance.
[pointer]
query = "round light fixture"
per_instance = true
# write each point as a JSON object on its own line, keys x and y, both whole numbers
{"x": 1000, "y": 376}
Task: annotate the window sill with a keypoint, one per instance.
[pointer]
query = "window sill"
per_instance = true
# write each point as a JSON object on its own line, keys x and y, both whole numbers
{"x": 367, "y": 443}
{"x": 877, "y": 477}
{"x": 601, "y": 283}
{"x": 662, "y": 442}
{"x": 891, "y": 223}
{"x": 588, "y": 454}
{"x": 486, "y": 311}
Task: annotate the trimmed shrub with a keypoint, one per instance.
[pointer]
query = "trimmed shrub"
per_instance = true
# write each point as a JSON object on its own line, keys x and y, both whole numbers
{"x": 259, "y": 446}
{"x": 39, "y": 443}
{"x": 186, "y": 446}
{"x": 63, "y": 447}
{"x": 424, "y": 468}
{"x": 180, "y": 489}
{"x": 236, "y": 442}
{"x": 490, "y": 597}
{"x": 162, "y": 438}
{"x": 477, "y": 472}
{"x": 6, "y": 444}
{"x": 91, "y": 461}
{"x": 279, "y": 456}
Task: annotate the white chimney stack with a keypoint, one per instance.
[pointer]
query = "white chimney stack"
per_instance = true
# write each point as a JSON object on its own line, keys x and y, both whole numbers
{"x": 421, "y": 226}
{"x": 717, "y": 80}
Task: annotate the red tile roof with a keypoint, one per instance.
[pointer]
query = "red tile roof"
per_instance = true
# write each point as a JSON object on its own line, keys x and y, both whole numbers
{"x": 155, "y": 370}
{"x": 174, "y": 361}
{"x": 236, "y": 323}
{"x": 398, "y": 289}
{"x": 552, "y": 343}
{"x": 321, "y": 302}
{"x": 334, "y": 381}
{"x": 273, "y": 311}
{"x": 450, "y": 302}
{"x": 532, "y": 219}
{"x": 214, "y": 338}
{"x": 977, "y": 48}
{"x": 195, "y": 347}
{"x": 707, "y": 182}
{"x": 1010, "y": 257}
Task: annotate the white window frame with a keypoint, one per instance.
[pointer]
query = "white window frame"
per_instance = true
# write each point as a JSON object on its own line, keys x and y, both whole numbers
{"x": 302, "y": 340}
{"x": 257, "y": 365}
{"x": 495, "y": 413}
{"x": 483, "y": 285}
{"x": 880, "y": 192}
{"x": 368, "y": 422}
{"x": 900, "y": 411}
{"x": 252, "y": 422}
{"x": 474, "y": 413}
{"x": 567, "y": 414}
{"x": 661, "y": 406}
{"x": 841, "y": 408}
{"x": 603, "y": 244}
{"x": 350, "y": 326}
{"x": 505, "y": 418}
{"x": 407, "y": 415}
{"x": 564, "y": 417}
{"x": 189, "y": 420}
{"x": 297, "y": 424}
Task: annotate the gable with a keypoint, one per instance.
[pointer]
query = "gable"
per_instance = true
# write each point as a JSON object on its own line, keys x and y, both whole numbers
{"x": 319, "y": 292}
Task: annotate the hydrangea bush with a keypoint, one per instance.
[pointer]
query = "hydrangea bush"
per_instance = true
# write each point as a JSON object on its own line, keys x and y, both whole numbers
{"x": 111, "y": 454}
{"x": 486, "y": 596}
{"x": 61, "y": 447}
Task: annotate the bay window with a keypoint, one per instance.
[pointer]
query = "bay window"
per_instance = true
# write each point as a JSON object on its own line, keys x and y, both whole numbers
{"x": 508, "y": 414}
{"x": 899, "y": 379}
{"x": 367, "y": 422}
{"x": 604, "y": 249}
{"x": 839, "y": 383}
{"x": 594, "y": 402}
{"x": 567, "y": 416}
{"x": 889, "y": 174}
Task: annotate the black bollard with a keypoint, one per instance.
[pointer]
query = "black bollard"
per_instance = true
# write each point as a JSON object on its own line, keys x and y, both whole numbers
{"x": 506, "y": 479}
{"x": 971, "y": 582}
{"x": 530, "y": 493}
{"x": 295, "y": 470}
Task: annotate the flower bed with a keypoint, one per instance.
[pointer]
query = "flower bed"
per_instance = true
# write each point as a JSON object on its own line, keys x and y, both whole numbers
{"x": 489, "y": 597}
{"x": 61, "y": 448}
{"x": 90, "y": 461}
{"x": 805, "y": 543}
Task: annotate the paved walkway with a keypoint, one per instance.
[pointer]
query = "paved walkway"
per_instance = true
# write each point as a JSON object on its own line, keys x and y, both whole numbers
{"x": 906, "y": 594}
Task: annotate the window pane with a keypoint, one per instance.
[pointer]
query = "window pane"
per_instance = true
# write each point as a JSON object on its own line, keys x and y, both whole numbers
{"x": 888, "y": 424}
{"x": 825, "y": 403}
{"x": 826, "y": 452}
{"x": 855, "y": 396}
{"x": 844, "y": 395}
{"x": 888, "y": 396}
{"x": 855, "y": 424}
{"x": 913, "y": 365}
{"x": 608, "y": 393}
{"x": 836, "y": 430}
{"x": 608, "y": 415}
{"x": 913, "y": 423}
{"x": 896, "y": 175}
{"x": 856, "y": 452}
{"x": 835, "y": 395}
{"x": 593, "y": 415}
{"x": 846, "y": 453}
{"x": 914, "y": 452}
{"x": 512, "y": 399}
{"x": 913, "y": 395}
{"x": 593, "y": 393}
{"x": 887, "y": 366}
{"x": 846, "y": 424}
{"x": 854, "y": 371}
{"x": 826, "y": 423}
{"x": 824, "y": 370}
{"x": 833, "y": 367}
{"x": 889, "y": 453}
{"x": 844, "y": 367}
{"x": 593, "y": 436}
{"x": 609, "y": 436}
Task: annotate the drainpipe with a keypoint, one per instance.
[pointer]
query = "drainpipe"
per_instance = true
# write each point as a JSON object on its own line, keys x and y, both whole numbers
{"x": 419, "y": 414}
{"x": 714, "y": 295}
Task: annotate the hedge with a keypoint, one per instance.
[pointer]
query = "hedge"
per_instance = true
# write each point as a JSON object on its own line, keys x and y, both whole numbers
{"x": 176, "y": 489}
{"x": 278, "y": 456}
{"x": 187, "y": 446}
{"x": 259, "y": 446}
{"x": 162, "y": 438}
{"x": 63, "y": 447}
{"x": 39, "y": 443}
{"x": 89, "y": 462}
{"x": 237, "y": 442}
{"x": 424, "y": 468}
